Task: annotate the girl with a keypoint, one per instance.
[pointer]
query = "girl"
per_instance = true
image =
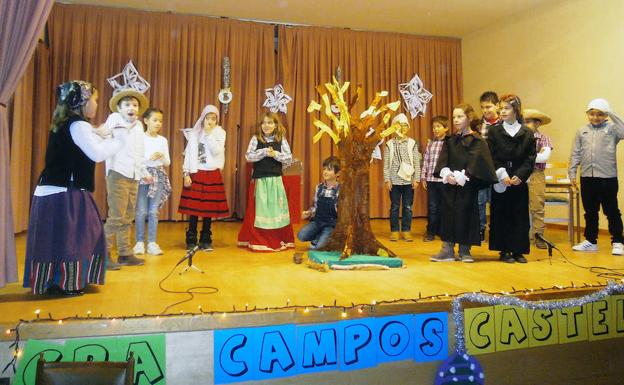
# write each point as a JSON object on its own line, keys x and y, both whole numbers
{"x": 266, "y": 226}
{"x": 203, "y": 194}
{"x": 513, "y": 150}
{"x": 465, "y": 166}
{"x": 152, "y": 196}
{"x": 66, "y": 246}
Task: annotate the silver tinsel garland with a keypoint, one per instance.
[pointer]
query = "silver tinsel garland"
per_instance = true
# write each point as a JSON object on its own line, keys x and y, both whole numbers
{"x": 491, "y": 300}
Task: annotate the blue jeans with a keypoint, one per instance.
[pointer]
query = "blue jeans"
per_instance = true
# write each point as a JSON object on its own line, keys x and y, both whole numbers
{"x": 484, "y": 197}
{"x": 434, "y": 197}
{"x": 401, "y": 194}
{"x": 147, "y": 207}
{"x": 317, "y": 233}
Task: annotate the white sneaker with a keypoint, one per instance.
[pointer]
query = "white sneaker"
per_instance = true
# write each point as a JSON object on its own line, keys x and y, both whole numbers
{"x": 139, "y": 248}
{"x": 587, "y": 246}
{"x": 618, "y": 249}
{"x": 153, "y": 249}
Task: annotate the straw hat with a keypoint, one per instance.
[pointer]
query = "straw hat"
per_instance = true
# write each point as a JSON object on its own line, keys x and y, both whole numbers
{"x": 529, "y": 113}
{"x": 114, "y": 101}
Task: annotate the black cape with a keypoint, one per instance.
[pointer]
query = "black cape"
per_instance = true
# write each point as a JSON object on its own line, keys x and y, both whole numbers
{"x": 509, "y": 211}
{"x": 459, "y": 207}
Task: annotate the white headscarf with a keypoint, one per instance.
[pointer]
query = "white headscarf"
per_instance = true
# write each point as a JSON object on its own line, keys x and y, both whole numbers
{"x": 192, "y": 136}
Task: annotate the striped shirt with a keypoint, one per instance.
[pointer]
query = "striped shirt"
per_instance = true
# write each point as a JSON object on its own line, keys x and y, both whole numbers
{"x": 432, "y": 153}
{"x": 255, "y": 154}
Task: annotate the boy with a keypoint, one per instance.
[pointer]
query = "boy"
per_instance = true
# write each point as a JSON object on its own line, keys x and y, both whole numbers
{"x": 489, "y": 107}
{"x": 324, "y": 209}
{"x": 432, "y": 184}
{"x": 401, "y": 176}
{"x": 594, "y": 149}
{"x": 534, "y": 119}
{"x": 124, "y": 170}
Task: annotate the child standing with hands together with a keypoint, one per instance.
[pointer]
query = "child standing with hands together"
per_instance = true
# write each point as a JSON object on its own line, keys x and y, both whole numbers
{"x": 203, "y": 194}
{"x": 267, "y": 226}
{"x": 152, "y": 196}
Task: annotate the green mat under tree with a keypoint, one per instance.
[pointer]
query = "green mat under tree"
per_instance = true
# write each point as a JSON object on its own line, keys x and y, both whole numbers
{"x": 333, "y": 258}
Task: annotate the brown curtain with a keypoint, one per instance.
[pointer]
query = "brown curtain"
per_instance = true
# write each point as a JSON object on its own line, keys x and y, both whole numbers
{"x": 308, "y": 56}
{"x": 22, "y": 22}
{"x": 181, "y": 56}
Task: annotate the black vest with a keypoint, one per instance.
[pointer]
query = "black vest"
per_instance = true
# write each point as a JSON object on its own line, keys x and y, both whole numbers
{"x": 65, "y": 163}
{"x": 267, "y": 166}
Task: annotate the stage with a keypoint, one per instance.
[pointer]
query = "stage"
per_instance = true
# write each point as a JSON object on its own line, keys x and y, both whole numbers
{"x": 248, "y": 280}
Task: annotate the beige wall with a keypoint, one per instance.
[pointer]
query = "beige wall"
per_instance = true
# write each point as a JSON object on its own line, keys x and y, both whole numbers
{"x": 556, "y": 58}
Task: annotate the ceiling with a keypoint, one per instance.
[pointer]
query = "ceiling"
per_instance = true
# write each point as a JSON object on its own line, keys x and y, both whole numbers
{"x": 452, "y": 18}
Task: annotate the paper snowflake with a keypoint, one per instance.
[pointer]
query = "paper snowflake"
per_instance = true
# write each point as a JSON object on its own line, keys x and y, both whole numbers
{"x": 415, "y": 96}
{"x": 129, "y": 79}
{"x": 276, "y": 99}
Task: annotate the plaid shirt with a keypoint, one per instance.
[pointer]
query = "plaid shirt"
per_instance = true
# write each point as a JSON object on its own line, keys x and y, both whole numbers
{"x": 323, "y": 190}
{"x": 430, "y": 160}
{"x": 541, "y": 141}
{"x": 401, "y": 153}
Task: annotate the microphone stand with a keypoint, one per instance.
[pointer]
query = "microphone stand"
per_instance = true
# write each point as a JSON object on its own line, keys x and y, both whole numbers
{"x": 188, "y": 257}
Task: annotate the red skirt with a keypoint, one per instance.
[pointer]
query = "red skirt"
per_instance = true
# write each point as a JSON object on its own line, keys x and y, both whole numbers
{"x": 206, "y": 196}
{"x": 257, "y": 239}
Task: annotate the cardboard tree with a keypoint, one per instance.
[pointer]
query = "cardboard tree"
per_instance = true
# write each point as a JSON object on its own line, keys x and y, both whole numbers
{"x": 355, "y": 138}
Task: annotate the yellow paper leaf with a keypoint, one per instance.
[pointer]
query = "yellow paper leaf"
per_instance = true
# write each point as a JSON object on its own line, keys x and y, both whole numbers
{"x": 382, "y": 253}
{"x": 314, "y": 106}
{"x": 394, "y": 105}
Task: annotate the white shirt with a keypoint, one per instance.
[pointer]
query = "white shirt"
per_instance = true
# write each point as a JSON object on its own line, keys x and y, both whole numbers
{"x": 129, "y": 160}
{"x": 94, "y": 147}
{"x": 204, "y": 151}
{"x": 512, "y": 129}
{"x": 155, "y": 144}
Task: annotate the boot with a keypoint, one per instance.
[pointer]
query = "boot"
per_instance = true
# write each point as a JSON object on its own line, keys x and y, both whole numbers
{"x": 205, "y": 241}
{"x": 447, "y": 254}
{"x": 191, "y": 239}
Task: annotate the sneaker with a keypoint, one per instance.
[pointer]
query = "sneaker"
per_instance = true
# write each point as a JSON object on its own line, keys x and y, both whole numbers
{"x": 428, "y": 237}
{"x": 586, "y": 246}
{"x": 139, "y": 248}
{"x": 507, "y": 257}
{"x": 154, "y": 249}
{"x": 618, "y": 249}
{"x": 130, "y": 260}
{"x": 466, "y": 258}
{"x": 394, "y": 236}
{"x": 519, "y": 258}
{"x": 407, "y": 237}
{"x": 205, "y": 246}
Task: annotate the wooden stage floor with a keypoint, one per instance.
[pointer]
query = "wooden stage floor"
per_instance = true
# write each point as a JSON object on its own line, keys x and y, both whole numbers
{"x": 244, "y": 278}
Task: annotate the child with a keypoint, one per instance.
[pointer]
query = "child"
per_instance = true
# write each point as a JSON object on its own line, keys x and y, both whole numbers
{"x": 123, "y": 172}
{"x": 266, "y": 226}
{"x": 431, "y": 183}
{"x": 512, "y": 146}
{"x": 465, "y": 166}
{"x": 203, "y": 194}
{"x": 401, "y": 175}
{"x": 594, "y": 149}
{"x": 535, "y": 119}
{"x": 489, "y": 108}
{"x": 152, "y": 196}
{"x": 66, "y": 246}
{"x": 324, "y": 210}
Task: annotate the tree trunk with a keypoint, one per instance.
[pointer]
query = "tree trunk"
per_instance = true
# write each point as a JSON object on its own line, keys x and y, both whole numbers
{"x": 353, "y": 233}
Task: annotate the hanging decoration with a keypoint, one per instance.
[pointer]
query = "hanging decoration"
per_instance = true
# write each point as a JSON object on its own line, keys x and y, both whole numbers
{"x": 276, "y": 99}
{"x": 225, "y": 94}
{"x": 415, "y": 96}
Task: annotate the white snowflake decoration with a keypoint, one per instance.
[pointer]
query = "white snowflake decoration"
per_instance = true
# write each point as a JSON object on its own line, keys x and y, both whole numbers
{"x": 415, "y": 96}
{"x": 128, "y": 79}
{"x": 276, "y": 99}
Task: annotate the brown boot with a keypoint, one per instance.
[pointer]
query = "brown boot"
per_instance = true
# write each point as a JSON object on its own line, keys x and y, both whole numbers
{"x": 394, "y": 236}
